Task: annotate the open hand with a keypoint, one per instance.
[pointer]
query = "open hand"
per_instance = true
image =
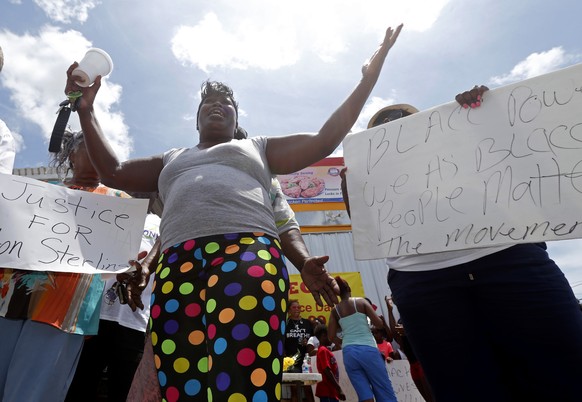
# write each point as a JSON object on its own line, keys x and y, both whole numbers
{"x": 373, "y": 66}
{"x": 135, "y": 282}
{"x": 319, "y": 281}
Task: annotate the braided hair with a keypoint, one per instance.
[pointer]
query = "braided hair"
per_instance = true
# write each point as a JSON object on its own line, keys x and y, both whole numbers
{"x": 60, "y": 160}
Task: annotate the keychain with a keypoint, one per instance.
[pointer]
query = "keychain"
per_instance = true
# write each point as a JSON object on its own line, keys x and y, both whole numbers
{"x": 122, "y": 292}
{"x": 117, "y": 291}
{"x": 111, "y": 294}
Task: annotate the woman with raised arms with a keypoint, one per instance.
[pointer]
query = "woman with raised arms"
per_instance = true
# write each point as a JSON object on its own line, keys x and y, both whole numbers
{"x": 219, "y": 302}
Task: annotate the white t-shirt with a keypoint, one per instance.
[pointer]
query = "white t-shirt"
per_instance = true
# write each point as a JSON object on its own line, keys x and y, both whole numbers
{"x": 445, "y": 259}
{"x": 7, "y": 151}
{"x": 112, "y": 310}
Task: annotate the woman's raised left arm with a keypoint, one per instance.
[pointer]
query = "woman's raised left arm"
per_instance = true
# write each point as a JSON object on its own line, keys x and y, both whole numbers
{"x": 291, "y": 153}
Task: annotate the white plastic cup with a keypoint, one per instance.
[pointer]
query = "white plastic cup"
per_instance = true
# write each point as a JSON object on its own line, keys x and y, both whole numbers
{"x": 96, "y": 62}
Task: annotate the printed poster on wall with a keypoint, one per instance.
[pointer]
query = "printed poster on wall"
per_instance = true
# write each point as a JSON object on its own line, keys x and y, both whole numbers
{"x": 319, "y": 182}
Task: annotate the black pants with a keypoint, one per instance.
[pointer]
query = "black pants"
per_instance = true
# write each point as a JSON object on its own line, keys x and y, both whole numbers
{"x": 120, "y": 350}
{"x": 505, "y": 327}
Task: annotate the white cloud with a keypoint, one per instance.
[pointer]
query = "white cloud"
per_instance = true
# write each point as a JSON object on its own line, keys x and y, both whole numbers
{"x": 66, "y": 11}
{"x": 271, "y": 35}
{"x": 209, "y": 44}
{"x": 34, "y": 73}
{"x": 536, "y": 64}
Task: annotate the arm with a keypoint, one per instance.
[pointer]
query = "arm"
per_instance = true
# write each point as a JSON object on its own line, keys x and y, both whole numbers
{"x": 369, "y": 310}
{"x": 312, "y": 269}
{"x": 331, "y": 378}
{"x": 394, "y": 327}
{"x": 133, "y": 175}
{"x": 313, "y": 272}
{"x": 389, "y": 336}
{"x": 291, "y": 153}
{"x": 344, "y": 187}
{"x": 332, "y": 327}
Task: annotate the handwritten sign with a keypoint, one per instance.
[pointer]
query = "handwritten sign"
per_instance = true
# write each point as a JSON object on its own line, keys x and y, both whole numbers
{"x": 450, "y": 178}
{"x": 402, "y": 382}
{"x": 398, "y": 372}
{"x": 44, "y": 227}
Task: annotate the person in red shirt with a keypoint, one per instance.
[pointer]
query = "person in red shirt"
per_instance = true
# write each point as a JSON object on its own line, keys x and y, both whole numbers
{"x": 328, "y": 389}
{"x": 383, "y": 345}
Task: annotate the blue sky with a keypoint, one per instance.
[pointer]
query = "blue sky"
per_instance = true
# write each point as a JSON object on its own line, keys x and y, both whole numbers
{"x": 290, "y": 64}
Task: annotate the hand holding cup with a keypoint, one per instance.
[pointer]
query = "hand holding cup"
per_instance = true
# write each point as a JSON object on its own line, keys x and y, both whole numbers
{"x": 95, "y": 62}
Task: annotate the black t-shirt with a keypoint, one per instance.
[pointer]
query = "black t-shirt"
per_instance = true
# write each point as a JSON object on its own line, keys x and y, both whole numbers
{"x": 295, "y": 332}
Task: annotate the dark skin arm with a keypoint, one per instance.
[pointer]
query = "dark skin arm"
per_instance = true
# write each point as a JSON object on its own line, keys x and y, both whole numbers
{"x": 397, "y": 330}
{"x": 344, "y": 187}
{"x": 369, "y": 311}
{"x": 137, "y": 280}
{"x": 389, "y": 336}
{"x": 139, "y": 174}
{"x": 332, "y": 328}
{"x": 291, "y": 153}
{"x": 331, "y": 378}
{"x": 313, "y": 273}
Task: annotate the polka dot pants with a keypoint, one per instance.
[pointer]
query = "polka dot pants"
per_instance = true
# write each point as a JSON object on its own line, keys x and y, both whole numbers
{"x": 218, "y": 319}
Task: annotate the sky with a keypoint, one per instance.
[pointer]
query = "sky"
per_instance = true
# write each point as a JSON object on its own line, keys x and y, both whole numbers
{"x": 290, "y": 63}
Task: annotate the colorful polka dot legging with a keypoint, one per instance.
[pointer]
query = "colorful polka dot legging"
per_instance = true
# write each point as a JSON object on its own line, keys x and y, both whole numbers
{"x": 218, "y": 319}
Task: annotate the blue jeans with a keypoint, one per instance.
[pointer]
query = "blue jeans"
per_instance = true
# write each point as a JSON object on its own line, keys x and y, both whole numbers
{"x": 505, "y": 327}
{"x": 37, "y": 361}
{"x": 366, "y": 369}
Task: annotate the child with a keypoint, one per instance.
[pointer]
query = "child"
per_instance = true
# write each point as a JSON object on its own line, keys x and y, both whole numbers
{"x": 383, "y": 345}
{"x": 328, "y": 390}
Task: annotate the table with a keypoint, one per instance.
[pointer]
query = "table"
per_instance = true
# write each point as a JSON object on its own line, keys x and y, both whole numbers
{"x": 300, "y": 380}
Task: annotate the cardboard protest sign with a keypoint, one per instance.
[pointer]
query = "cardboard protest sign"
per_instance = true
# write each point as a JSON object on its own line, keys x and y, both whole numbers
{"x": 44, "y": 227}
{"x": 398, "y": 372}
{"x": 450, "y": 178}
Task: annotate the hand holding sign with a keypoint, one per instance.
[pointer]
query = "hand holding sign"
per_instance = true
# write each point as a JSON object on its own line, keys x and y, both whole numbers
{"x": 453, "y": 178}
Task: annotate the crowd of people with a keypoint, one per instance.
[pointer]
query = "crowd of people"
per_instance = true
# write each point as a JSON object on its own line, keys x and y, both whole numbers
{"x": 208, "y": 315}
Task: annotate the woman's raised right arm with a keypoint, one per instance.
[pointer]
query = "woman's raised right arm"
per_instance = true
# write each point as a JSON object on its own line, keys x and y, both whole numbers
{"x": 133, "y": 175}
